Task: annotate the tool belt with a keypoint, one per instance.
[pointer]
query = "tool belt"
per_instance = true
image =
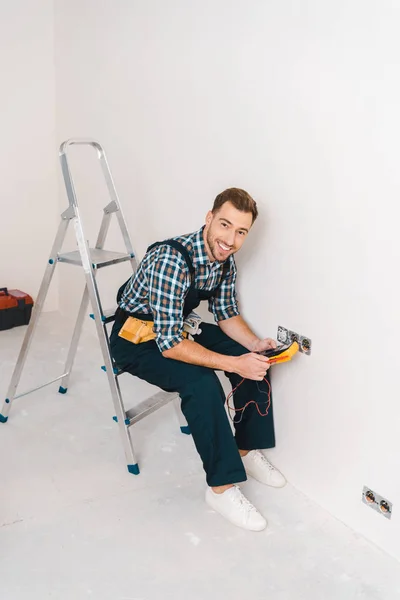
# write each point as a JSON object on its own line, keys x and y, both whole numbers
{"x": 139, "y": 331}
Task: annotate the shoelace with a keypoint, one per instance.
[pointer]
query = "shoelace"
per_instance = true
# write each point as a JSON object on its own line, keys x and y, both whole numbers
{"x": 260, "y": 458}
{"x": 240, "y": 500}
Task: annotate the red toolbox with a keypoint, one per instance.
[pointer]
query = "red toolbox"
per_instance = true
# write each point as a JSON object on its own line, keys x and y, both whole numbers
{"x": 15, "y": 308}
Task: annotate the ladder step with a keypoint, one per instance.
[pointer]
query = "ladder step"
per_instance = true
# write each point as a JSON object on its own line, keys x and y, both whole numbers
{"x": 148, "y": 406}
{"x": 99, "y": 258}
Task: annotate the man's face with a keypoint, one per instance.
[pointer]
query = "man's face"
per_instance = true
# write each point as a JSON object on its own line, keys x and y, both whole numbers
{"x": 225, "y": 231}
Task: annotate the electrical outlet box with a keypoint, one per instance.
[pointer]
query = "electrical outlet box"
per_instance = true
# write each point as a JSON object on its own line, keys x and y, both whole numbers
{"x": 285, "y": 336}
{"x": 377, "y": 502}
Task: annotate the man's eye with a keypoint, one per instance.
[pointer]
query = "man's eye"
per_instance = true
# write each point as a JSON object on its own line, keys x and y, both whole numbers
{"x": 224, "y": 224}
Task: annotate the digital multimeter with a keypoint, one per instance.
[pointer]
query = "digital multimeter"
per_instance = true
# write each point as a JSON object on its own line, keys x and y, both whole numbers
{"x": 282, "y": 353}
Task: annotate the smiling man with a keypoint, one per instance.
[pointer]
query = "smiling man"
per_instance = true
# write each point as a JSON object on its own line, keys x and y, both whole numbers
{"x": 171, "y": 281}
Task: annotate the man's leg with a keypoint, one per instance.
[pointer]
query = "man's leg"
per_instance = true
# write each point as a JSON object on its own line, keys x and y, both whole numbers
{"x": 252, "y": 431}
{"x": 202, "y": 404}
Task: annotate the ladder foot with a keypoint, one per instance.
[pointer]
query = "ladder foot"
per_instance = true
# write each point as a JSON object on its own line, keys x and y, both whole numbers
{"x": 62, "y": 390}
{"x": 185, "y": 429}
{"x": 3, "y": 419}
{"x": 134, "y": 469}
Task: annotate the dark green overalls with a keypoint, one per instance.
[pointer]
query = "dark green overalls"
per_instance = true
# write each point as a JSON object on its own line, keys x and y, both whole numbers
{"x": 202, "y": 396}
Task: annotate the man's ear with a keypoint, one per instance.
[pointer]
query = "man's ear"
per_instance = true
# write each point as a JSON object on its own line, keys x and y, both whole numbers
{"x": 209, "y": 217}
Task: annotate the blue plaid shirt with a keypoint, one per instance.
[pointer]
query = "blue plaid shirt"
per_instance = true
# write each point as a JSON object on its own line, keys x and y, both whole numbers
{"x": 162, "y": 280}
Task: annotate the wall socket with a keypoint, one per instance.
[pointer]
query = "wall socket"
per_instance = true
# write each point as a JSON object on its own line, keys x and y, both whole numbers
{"x": 377, "y": 502}
{"x": 285, "y": 336}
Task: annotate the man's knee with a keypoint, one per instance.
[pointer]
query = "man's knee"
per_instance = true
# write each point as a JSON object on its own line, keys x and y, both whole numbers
{"x": 236, "y": 349}
{"x": 215, "y": 339}
{"x": 232, "y": 348}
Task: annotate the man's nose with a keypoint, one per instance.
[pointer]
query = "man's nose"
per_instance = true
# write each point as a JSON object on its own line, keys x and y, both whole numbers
{"x": 230, "y": 238}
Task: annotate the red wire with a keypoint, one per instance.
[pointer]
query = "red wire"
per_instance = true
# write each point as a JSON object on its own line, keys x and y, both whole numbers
{"x": 230, "y": 395}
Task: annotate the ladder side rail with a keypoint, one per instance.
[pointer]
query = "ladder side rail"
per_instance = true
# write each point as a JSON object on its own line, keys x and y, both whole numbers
{"x": 119, "y": 213}
{"x": 94, "y": 297}
{"x": 36, "y": 311}
{"x": 105, "y": 223}
{"x": 109, "y": 182}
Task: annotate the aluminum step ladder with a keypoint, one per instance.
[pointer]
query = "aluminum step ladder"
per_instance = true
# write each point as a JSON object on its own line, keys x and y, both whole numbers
{"x": 91, "y": 259}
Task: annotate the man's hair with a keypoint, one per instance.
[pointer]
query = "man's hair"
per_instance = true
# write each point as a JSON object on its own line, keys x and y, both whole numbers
{"x": 240, "y": 199}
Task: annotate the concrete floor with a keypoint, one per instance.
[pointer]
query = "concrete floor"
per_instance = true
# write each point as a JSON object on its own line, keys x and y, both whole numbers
{"x": 75, "y": 525}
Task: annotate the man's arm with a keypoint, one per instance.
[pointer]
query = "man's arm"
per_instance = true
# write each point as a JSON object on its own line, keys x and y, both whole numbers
{"x": 237, "y": 329}
{"x": 225, "y": 309}
{"x": 249, "y": 366}
{"x": 168, "y": 279}
{"x": 193, "y": 353}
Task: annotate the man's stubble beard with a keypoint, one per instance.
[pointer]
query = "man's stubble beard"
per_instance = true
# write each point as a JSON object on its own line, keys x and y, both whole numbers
{"x": 211, "y": 244}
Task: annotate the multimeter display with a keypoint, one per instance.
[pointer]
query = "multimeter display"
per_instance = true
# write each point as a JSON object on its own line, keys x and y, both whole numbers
{"x": 282, "y": 353}
{"x": 276, "y": 351}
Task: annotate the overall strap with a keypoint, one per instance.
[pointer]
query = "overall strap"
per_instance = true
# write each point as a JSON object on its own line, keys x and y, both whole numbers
{"x": 181, "y": 248}
{"x": 178, "y": 246}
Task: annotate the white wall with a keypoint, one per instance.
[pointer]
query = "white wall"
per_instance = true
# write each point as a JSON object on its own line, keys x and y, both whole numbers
{"x": 297, "y": 102}
{"x": 28, "y": 151}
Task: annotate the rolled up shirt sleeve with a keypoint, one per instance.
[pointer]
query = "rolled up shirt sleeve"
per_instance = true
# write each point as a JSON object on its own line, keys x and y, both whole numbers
{"x": 224, "y": 304}
{"x": 168, "y": 280}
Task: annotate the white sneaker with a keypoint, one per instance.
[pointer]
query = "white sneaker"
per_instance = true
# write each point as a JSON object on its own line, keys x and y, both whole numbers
{"x": 260, "y": 468}
{"x": 235, "y": 507}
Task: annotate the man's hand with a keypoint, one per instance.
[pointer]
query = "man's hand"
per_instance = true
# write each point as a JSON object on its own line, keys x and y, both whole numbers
{"x": 262, "y": 345}
{"x": 251, "y": 366}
